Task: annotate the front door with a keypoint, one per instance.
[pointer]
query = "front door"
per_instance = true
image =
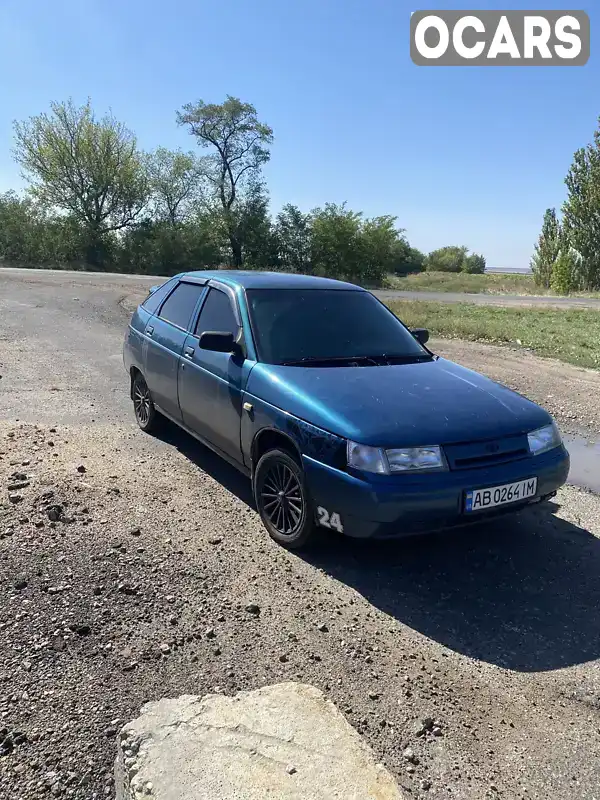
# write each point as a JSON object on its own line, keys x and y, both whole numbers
{"x": 211, "y": 384}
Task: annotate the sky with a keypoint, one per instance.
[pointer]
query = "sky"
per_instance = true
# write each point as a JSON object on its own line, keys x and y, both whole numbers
{"x": 460, "y": 155}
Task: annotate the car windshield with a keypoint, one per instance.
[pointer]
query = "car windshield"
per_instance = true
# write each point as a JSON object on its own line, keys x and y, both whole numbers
{"x": 304, "y": 326}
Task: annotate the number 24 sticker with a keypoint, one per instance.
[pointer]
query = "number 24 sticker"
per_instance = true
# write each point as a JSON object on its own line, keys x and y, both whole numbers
{"x": 328, "y": 520}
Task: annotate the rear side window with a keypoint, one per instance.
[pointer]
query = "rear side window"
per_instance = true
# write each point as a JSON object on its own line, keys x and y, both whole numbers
{"x": 153, "y": 301}
{"x": 217, "y": 314}
{"x": 180, "y": 305}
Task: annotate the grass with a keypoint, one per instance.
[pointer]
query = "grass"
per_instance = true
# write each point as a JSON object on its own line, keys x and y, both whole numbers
{"x": 570, "y": 335}
{"x": 493, "y": 283}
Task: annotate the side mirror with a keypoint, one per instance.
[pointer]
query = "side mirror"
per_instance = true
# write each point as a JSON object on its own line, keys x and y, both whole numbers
{"x": 154, "y": 288}
{"x": 218, "y": 342}
{"x": 421, "y": 335}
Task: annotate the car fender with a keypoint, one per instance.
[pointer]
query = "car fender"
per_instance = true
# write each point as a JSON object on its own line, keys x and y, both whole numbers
{"x": 308, "y": 439}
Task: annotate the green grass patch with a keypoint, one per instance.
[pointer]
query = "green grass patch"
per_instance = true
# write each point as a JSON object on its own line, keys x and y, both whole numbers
{"x": 571, "y": 335}
{"x": 470, "y": 284}
{"x": 463, "y": 282}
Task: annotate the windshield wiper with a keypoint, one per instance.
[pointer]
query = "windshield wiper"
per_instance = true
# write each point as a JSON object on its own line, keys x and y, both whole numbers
{"x": 381, "y": 359}
{"x": 293, "y": 362}
{"x": 409, "y": 358}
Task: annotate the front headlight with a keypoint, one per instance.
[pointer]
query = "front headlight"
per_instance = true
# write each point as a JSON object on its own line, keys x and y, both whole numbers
{"x": 367, "y": 459}
{"x": 404, "y": 459}
{"x": 544, "y": 439}
{"x": 412, "y": 458}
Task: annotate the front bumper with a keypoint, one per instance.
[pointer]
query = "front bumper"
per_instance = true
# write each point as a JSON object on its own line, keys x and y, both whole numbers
{"x": 404, "y": 505}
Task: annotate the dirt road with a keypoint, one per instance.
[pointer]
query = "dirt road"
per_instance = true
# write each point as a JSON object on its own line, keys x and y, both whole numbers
{"x": 128, "y": 563}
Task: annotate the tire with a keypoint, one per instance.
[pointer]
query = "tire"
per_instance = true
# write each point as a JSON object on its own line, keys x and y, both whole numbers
{"x": 146, "y": 415}
{"x": 288, "y": 517}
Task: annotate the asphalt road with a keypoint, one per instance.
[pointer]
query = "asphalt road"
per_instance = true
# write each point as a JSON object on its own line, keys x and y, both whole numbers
{"x": 142, "y": 591}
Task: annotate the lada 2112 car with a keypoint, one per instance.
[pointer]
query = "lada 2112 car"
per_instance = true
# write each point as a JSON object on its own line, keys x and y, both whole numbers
{"x": 340, "y": 415}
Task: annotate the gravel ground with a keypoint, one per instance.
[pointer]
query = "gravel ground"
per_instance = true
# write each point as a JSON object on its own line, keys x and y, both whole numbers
{"x": 134, "y": 567}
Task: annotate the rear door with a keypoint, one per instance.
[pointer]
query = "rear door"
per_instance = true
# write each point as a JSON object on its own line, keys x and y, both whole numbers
{"x": 165, "y": 336}
{"x": 211, "y": 384}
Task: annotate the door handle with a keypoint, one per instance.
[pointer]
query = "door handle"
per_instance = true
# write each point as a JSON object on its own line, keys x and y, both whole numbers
{"x": 150, "y": 330}
{"x": 188, "y": 352}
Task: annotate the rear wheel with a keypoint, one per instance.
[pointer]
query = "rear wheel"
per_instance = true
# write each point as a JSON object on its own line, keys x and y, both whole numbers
{"x": 282, "y": 499}
{"x": 145, "y": 412}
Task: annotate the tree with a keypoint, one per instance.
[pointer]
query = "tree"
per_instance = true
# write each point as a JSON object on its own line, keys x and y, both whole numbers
{"x": 474, "y": 264}
{"x": 158, "y": 248}
{"x": 89, "y": 168}
{"x": 564, "y": 279}
{"x": 334, "y": 246}
{"x": 407, "y": 259}
{"x": 377, "y": 242}
{"x": 240, "y": 144}
{"x": 581, "y": 212}
{"x": 18, "y": 228}
{"x": 546, "y": 250}
{"x": 348, "y": 247}
{"x": 175, "y": 184}
{"x": 31, "y": 237}
{"x": 446, "y": 259}
{"x": 254, "y": 230}
{"x": 293, "y": 235}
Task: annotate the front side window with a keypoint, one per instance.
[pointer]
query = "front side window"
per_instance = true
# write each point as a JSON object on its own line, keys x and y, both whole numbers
{"x": 217, "y": 314}
{"x": 180, "y": 305}
{"x": 304, "y": 325}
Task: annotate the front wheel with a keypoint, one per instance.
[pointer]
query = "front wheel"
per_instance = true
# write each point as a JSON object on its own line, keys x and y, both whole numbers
{"x": 282, "y": 499}
{"x": 145, "y": 412}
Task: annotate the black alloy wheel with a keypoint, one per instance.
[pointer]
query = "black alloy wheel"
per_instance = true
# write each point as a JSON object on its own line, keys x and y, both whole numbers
{"x": 282, "y": 499}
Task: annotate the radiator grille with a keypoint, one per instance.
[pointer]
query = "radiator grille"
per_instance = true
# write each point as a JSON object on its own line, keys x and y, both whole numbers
{"x": 473, "y": 455}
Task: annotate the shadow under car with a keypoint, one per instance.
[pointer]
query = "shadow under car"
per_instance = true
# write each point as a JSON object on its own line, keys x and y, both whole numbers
{"x": 521, "y": 592}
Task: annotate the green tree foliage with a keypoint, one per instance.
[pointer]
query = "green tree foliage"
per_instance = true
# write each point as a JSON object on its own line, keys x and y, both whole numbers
{"x": 446, "y": 259}
{"x": 474, "y": 264}
{"x": 293, "y": 238}
{"x": 407, "y": 259}
{"x": 455, "y": 259}
{"x": 253, "y": 228}
{"x": 31, "y": 237}
{"x": 334, "y": 241}
{"x": 89, "y": 168}
{"x": 159, "y": 248}
{"x": 239, "y": 145}
{"x": 546, "y": 250}
{"x": 348, "y": 247}
{"x": 95, "y": 200}
{"x": 175, "y": 183}
{"x": 581, "y": 212}
{"x": 565, "y": 272}
{"x": 378, "y": 238}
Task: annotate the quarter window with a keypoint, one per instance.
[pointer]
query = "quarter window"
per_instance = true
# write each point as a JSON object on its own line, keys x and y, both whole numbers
{"x": 180, "y": 305}
{"x": 153, "y": 301}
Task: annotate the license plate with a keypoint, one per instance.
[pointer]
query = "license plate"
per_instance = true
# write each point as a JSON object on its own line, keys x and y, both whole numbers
{"x": 480, "y": 499}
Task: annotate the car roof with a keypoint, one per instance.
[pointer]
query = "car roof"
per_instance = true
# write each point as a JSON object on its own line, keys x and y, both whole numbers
{"x": 255, "y": 279}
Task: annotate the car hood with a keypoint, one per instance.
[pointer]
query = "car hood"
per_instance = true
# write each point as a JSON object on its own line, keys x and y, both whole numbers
{"x": 434, "y": 402}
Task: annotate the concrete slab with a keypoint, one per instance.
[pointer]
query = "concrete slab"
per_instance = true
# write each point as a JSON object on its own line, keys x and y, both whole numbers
{"x": 285, "y": 741}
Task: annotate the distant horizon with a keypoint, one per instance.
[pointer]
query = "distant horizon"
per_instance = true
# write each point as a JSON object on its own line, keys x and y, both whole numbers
{"x": 519, "y": 270}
